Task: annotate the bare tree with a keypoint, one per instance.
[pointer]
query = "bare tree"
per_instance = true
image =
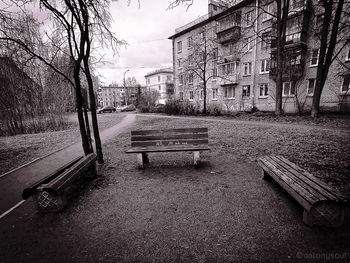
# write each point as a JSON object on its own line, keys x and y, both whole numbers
{"x": 79, "y": 22}
{"x": 333, "y": 37}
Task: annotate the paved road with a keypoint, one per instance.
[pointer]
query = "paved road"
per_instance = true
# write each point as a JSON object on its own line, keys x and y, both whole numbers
{"x": 12, "y": 185}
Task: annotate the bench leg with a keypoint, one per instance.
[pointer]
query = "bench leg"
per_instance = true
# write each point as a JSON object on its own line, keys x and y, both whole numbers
{"x": 140, "y": 162}
{"x": 196, "y": 158}
{"x": 264, "y": 174}
{"x": 324, "y": 214}
{"x": 145, "y": 158}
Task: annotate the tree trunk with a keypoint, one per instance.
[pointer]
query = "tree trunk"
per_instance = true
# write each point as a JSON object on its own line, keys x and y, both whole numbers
{"x": 326, "y": 52}
{"x": 205, "y": 98}
{"x": 98, "y": 143}
{"x": 79, "y": 104}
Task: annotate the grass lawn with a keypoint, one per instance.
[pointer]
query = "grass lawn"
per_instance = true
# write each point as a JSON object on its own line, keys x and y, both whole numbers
{"x": 172, "y": 212}
{"x": 20, "y": 149}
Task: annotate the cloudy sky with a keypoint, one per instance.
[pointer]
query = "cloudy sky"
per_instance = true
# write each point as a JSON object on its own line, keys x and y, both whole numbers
{"x": 146, "y": 29}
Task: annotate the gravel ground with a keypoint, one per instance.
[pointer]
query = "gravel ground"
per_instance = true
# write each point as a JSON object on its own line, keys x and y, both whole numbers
{"x": 20, "y": 149}
{"x": 171, "y": 212}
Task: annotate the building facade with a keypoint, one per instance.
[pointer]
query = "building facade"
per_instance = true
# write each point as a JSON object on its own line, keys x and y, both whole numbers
{"x": 162, "y": 81}
{"x": 228, "y": 57}
{"x": 114, "y": 95}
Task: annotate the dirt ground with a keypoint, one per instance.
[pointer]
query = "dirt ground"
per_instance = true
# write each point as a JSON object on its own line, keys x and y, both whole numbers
{"x": 171, "y": 212}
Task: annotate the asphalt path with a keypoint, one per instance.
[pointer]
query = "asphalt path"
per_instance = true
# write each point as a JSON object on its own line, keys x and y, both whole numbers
{"x": 13, "y": 184}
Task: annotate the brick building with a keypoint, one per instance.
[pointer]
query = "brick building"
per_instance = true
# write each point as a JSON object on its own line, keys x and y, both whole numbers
{"x": 161, "y": 80}
{"x": 114, "y": 95}
{"x": 233, "y": 50}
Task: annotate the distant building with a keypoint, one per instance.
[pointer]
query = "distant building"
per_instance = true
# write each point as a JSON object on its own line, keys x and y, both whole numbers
{"x": 161, "y": 80}
{"x": 242, "y": 62}
{"x": 114, "y": 95}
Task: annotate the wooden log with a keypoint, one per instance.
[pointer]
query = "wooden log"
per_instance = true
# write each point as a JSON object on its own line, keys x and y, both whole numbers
{"x": 48, "y": 201}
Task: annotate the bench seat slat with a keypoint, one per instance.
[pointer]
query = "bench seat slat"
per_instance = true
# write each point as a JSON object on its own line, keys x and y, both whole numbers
{"x": 167, "y": 149}
{"x": 330, "y": 193}
{"x": 169, "y": 131}
{"x": 170, "y": 143}
{"x": 299, "y": 193}
{"x": 170, "y": 137}
{"x": 311, "y": 192}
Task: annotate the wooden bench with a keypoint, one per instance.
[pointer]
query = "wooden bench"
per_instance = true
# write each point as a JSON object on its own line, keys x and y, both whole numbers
{"x": 322, "y": 204}
{"x": 171, "y": 140}
{"x": 52, "y": 192}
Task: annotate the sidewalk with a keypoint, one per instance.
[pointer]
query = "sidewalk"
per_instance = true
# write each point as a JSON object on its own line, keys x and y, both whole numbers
{"x": 12, "y": 185}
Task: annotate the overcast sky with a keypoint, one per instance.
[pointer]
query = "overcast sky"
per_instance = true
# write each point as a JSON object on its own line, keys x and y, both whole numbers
{"x": 146, "y": 29}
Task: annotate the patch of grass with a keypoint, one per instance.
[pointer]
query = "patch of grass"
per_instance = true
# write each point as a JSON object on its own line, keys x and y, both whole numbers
{"x": 20, "y": 149}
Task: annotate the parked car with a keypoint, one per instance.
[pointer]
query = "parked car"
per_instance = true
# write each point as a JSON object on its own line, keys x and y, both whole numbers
{"x": 106, "y": 109}
{"x": 130, "y": 107}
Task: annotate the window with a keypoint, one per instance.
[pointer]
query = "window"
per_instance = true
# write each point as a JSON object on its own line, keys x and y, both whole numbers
{"x": 189, "y": 42}
{"x": 267, "y": 12}
{"x": 263, "y": 90}
{"x": 179, "y": 64}
{"x": 288, "y": 89}
{"x": 265, "y": 40}
{"x": 345, "y": 88}
{"x": 158, "y": 78}
{"x": 249, "y": 18}
{"x": 295, "y": 60}
{"x": 265, "y": 66}
{"x": 215, "y": 94}
{"x": 215, "y": 70}
{"x": 181, "y": 95}
{"x": 191, "y": 95}
{"x": 229, "y": 92}
{"x": 168, "y": 77}
{"x": 231, "y": 48}
{"x": 247, "y": 67}
{"x": 148, "y": 81}
{"x": 181, "y": 80}
{"x": 311, "y": 87}
{"x": 190, "y": 78}
{"x": 179, "y": 46}
{"x": 348, "y": 54}
{"x": 215, "y": 53}
{"x": 246, "y": 91}
{"x": 314, "y": 57}
{"x": 249, "y": 44}
{"x": 230, "y": 68}
{"x": 159, "y": 88}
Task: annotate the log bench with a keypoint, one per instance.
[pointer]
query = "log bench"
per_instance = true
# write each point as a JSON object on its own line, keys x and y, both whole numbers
{"x": 322, "y": 204}
{"x": 52, "y": 192}
{"x": 169, "y": 140}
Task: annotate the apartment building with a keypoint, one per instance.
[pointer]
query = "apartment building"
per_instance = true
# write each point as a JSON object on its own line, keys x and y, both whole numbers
{"x": 161, "y": 80}
{"x": 114, "y": 95}
{"x": 232, "y": 53}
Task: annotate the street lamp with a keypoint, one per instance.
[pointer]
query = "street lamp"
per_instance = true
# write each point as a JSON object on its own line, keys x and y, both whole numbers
{"x": 125, "y": 87}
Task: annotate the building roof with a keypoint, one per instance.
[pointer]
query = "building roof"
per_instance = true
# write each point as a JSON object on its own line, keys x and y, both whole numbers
{"x": 203, "y": 20}
{"x": 159, "y": 71}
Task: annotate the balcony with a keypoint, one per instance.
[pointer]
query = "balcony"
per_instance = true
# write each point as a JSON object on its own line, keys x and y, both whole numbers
{"x": 227, "y": 79}
{"x": 292, "y": 40}
{"x": 231, "y": 34}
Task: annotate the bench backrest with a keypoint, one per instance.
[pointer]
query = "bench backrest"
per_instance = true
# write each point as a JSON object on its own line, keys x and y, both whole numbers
{"x": 170, "y": 138}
